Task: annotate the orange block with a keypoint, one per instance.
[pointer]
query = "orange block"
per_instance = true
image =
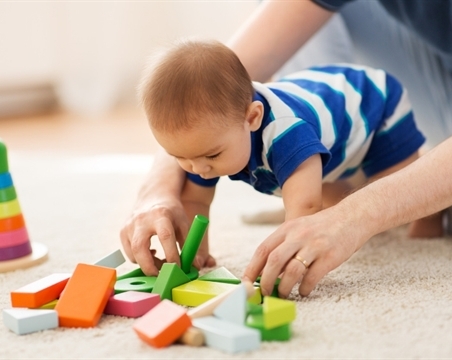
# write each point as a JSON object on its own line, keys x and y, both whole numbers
{"x": 40, "y": 292}
{"x": 163, "y": 324}
{"x": 86, "y": 294}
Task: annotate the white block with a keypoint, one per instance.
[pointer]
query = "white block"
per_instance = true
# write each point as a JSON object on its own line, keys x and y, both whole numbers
{"x": 25, "y": 321}
{"x": 227, "y": 336}
{"x": 233, "y": 308}
{"x": 112, "y": 260}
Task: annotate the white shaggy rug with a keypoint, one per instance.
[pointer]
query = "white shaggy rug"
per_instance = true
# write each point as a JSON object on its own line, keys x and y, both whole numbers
{"x": 392, "y": 299}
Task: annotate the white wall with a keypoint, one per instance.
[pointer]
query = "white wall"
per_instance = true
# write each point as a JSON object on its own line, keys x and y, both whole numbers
{"x": 94, "y": 52}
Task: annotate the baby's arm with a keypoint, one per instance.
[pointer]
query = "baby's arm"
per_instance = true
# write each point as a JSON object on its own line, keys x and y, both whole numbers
{"x": 196, "y": 199}
{"x": 302, "y": 191}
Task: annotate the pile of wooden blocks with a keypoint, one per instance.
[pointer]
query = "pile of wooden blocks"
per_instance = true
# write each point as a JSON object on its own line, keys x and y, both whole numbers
{"x": 177, "y": 306}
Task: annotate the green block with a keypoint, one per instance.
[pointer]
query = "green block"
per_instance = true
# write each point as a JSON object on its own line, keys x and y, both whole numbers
{"x": 221, "y": 275}
{"x": 193, "y": 274}
{"x": 138, "y": 283}
{"x": 170, "y": 276}
{"x": 280, "y": 333}
{"x": 134, "y": 273}
{"x": 278, "y": 312}
{"x": 192, "y": 242}
{"x": 253, "y": 308}
{"x": 3, "y": 158}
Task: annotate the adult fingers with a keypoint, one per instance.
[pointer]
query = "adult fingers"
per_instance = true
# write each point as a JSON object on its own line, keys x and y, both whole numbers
{"x": 141, "y": 252}
{"x": 165, "y": 231}
{"x": 266, "y": 260}
{"x": 294, "y": 271}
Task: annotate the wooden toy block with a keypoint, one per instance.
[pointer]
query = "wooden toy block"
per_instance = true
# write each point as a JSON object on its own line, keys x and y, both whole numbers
{"x": 86, "y": 294}
{"x": 139, "y": 283}
{"x": 112, "y": 260}
{"x": 162, "y": 325}
{"x": 198, "y": 292}
{"x": 253, "y": 308}
{"x": 208, "y": 307}
{"x": 170, "y": 276}
{"x": 50, "y": 305}
{"x": 13, "y": 238}
{"x": 280, "y": 333}
{"x": 9, "y": 209}
{"x": 40, "y": 292}
{"x": 131, "y": 304}
{"x": 192, "y": 337}
{"x": 133, "y": 273}
{"x": 192, "y": 242}
{"x": 26, "y": 321}
{"x": 233, "y": 308}
{"x": 227, "y": 336}
{"x": 221, "y": 275}
{"x": 277, "y": 312}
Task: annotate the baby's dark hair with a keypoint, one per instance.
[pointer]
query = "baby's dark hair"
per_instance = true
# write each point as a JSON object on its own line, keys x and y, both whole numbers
{"x": 195, "y": 79}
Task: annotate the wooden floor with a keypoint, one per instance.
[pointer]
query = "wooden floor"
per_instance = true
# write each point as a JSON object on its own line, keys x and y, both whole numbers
{"x": 122, "y": 131}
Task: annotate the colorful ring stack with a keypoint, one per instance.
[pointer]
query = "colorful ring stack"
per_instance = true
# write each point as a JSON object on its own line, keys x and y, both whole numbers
{"x": 14, "y": 240}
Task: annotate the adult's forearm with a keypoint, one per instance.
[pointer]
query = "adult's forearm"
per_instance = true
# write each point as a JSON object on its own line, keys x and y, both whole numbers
{"x": 165, "y": 178}
{"x": 274, "y": 33}
{"x": 421, "y": 189}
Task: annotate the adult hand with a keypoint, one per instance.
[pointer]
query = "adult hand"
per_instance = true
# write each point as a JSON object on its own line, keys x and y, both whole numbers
{"x": 304, "y": 250}
{"x": 165, "y": 219}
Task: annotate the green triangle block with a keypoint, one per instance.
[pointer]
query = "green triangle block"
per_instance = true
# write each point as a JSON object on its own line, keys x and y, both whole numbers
{"x": 170, "y": 276}
{"x": 222, "y": 275}
{"x": 278, "y": 312}
{"x": 280, "y": 333}
{"x": 133, "y": 273}
{"x": 3, "y": 158}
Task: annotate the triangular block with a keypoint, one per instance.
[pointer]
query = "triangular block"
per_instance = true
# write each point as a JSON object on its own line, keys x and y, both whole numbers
{"x": 233, "y": 308}
{"x": 277, "y": 312}
{"x": 170, "y": 276}
{"x": 221, "y": 275}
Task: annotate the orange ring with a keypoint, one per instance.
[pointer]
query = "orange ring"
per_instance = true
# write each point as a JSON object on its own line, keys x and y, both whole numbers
{"x": 12, "y": 223}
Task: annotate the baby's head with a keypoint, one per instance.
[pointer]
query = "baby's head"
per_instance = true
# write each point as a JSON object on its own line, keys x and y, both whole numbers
{"x": 198, "y": 99}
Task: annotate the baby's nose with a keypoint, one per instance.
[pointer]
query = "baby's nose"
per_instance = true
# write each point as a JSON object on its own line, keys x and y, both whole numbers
{"x": 200, "y": 167}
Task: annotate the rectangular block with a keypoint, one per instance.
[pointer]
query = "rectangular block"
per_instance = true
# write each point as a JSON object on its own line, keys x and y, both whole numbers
{"x": 26, "y": 321}
{"x": 162, "y": 325}
{"x": 39, "y": 292}
{"x": 227, "y": 336}
{"x": 131, "y": 303}
{"x": 85, "y": 296}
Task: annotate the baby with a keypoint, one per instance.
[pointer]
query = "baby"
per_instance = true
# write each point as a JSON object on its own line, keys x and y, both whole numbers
{"x": 299, "y": 137}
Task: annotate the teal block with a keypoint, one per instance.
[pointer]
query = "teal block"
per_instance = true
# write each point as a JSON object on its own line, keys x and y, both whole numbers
{"x": 25, "y": 321}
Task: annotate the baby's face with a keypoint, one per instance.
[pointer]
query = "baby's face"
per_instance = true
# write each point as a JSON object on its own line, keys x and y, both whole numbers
{"x": 209, "y": 151}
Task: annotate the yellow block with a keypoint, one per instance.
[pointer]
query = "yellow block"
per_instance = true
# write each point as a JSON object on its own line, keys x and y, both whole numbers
{"x": 197, "y": 292}
{"x": 9, "y": 209}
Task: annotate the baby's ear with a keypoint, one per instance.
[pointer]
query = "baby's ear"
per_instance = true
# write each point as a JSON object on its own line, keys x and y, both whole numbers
{"x": 254, "y": 115}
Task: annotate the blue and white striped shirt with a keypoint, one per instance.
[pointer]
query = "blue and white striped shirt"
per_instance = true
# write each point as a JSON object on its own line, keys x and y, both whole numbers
{"x": 353, "y": 116}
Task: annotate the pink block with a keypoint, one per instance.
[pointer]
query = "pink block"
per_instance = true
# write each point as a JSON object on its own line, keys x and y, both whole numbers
{"x": 13, "y": 238}
{"x": 131, "y": 303}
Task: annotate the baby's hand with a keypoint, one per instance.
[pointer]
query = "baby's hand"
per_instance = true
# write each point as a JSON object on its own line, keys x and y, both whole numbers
{"x": 203, "y": 258}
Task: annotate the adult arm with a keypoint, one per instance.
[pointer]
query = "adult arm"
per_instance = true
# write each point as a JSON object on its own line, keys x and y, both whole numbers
{"x": 328, "y": 238}
{"x": 275, "y": 32}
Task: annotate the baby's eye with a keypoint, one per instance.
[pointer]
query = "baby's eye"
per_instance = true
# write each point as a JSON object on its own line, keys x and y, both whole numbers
{"x": 211, "y": 157}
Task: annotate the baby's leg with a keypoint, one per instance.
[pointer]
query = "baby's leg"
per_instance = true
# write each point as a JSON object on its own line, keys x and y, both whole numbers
{"x": 428, "y": 227}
